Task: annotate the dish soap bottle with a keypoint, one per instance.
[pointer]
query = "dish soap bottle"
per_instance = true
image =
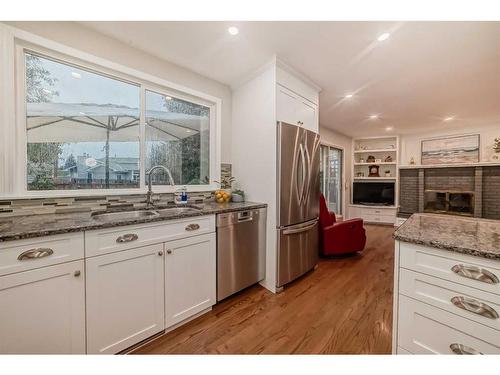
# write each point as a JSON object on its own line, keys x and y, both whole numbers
{"x": 183, "y": 196}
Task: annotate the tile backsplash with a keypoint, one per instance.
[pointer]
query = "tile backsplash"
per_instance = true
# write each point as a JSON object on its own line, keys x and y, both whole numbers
{"x": 36, "y": 206}
{"x": 19, "y": 207}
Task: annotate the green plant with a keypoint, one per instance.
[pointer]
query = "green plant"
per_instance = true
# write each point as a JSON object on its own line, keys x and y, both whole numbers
{"x": 225, "y": 182}
{"x": 496, "y": 146}
{"x": 239, "y": 192}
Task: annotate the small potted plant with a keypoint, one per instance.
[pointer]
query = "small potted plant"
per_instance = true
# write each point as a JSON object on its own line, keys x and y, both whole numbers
{"x": 387, "y": 173}
{"x": 238, "y": 195}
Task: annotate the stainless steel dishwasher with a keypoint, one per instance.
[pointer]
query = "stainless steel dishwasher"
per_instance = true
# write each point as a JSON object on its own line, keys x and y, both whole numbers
{"x": 241, "y": 250}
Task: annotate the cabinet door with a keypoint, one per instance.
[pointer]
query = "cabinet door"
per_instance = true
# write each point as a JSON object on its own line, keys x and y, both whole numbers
{"x": 125, "y": 298}
{"x": 42, "y": 311}
{"x": 307, "y": 114}
{"x": 190, "y": 285}
{"x": 286, "y": 105}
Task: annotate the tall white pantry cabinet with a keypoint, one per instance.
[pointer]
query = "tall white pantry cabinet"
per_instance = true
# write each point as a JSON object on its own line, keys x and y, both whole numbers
{"x": 276, "y": 92}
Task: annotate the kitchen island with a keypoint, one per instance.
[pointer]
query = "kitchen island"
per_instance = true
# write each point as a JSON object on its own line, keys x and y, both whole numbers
{"x": 446, "y": 286}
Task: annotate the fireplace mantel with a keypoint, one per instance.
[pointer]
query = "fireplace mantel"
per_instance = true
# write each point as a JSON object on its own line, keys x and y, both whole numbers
{"x": 462, "y": 165}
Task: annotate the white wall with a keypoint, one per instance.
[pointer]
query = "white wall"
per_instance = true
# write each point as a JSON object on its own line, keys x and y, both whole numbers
{"x": 254, "y": 153}
{"x": 334, "y": 138}
{"x": 79, "y": 37}
{"x": 411, "y": 144}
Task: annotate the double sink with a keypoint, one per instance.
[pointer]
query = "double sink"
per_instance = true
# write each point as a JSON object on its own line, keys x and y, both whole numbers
{"x": 107, "y": 216}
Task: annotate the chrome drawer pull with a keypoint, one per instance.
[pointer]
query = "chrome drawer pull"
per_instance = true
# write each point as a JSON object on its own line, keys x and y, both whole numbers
{"x": 40, "y": 252}
{"x": 475, "y": 273}
{"x": 462, "y": 349}
{"x": 129, "y": 237}
{"x": 191, "y": 227}
{"x": 475, "y": 307}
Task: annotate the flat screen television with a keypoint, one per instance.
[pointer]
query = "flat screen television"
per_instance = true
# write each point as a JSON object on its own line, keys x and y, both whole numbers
{"x": 373, "y": 193}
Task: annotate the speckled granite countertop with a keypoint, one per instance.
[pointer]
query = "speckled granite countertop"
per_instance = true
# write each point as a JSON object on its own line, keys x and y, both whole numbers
{"x": 13, "y": 228}
{"x": 471, "y": 236}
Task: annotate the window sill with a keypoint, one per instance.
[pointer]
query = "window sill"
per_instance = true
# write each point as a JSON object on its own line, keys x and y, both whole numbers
{"x": 110, "y": 192}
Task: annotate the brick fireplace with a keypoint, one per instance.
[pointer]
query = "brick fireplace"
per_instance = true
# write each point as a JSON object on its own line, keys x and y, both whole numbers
{"x": 470, "y": 191}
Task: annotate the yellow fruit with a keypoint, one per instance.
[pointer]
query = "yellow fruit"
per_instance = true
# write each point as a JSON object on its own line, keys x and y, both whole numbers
{"x": 218, "y": 195}
{"x": 220, "y": 200}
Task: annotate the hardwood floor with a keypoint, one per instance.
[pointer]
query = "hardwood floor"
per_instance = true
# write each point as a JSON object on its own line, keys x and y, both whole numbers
{"x": 343, "y": 307}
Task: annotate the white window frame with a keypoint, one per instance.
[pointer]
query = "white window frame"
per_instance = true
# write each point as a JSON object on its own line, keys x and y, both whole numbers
{"x": 13, "y": 182}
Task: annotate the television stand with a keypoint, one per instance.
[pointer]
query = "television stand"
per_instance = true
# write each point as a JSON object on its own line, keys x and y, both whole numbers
{"x": 373, "y": 214}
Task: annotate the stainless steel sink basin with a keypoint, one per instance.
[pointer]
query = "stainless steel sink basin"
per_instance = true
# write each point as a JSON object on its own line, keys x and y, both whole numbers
{"x": 177, "y": 210}
{"x": 124, "y": 215}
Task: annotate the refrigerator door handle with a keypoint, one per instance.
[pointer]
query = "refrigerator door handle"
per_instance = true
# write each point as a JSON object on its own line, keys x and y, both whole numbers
{"x": 300, "y": 191}
{"x": 307, "y": 183}
{"x": 300, "y": 230}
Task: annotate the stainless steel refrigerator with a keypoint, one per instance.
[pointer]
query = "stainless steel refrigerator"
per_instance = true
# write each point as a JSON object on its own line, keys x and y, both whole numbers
{"x": 298, "y": 201}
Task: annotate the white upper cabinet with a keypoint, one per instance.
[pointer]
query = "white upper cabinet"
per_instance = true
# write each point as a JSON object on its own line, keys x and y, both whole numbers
{"x": 125, "y": 298}
{"x": 294, "y": 109}
{"x": 42, "y": 311}
{"x": 297, "y": 99}
{"x": 190, "y": 277}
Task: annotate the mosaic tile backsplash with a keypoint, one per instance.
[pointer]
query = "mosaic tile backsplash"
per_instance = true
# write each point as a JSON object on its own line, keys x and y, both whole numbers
{"x": 36, "y": 206}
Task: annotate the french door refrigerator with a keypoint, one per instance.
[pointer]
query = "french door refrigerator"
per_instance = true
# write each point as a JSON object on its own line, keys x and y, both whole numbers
{"x": 298, "y": 201}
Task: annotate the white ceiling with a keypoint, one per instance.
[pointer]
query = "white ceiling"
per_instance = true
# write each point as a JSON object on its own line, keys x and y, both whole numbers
{"x": 423, "y": 73}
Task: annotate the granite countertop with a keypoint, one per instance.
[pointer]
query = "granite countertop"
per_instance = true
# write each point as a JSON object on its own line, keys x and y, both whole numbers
{"x": 18, "y": 227}
{"x": 471, "y": 236}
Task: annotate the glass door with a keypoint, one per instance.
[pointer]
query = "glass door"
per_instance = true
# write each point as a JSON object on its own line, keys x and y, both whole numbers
{"x": 331, "y": 177}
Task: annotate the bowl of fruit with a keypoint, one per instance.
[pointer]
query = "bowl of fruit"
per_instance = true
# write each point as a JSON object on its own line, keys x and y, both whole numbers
{"x": 222, "y": 196}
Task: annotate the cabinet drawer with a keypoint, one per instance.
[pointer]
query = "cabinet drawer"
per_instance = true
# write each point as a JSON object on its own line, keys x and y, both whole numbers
{"x": 480, "y": 306}
{"x": 106, "y": 241}
{"x": 439, "y": 263}
{"x": 424, "y": 329}
{"x": 23, "y": 255}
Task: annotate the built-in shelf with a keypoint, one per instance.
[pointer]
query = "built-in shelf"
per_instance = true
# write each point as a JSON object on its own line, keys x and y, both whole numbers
{"x": 379, "y": 148}
{"x": 380, "y": 163}
{"x": 376, "y": 150}
{"x": 374, "y": 178}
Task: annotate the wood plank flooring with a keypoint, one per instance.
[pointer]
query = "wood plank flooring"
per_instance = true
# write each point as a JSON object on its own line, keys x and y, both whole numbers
{"x": 343, "y": 307}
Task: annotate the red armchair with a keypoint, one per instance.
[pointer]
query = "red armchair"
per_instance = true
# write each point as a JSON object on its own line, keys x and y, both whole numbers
{"x": 339, "y": 238}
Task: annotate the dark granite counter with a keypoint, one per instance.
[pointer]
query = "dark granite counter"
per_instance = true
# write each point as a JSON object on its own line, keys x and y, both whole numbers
{"x": 18, "y": 227}
{"x": 471, "y": 236}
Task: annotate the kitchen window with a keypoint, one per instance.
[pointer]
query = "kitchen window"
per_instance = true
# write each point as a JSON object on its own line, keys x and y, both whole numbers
{"x": 88, "y": 127}
{"x": 82, "y": 128}
{"x": 177, "y": 136}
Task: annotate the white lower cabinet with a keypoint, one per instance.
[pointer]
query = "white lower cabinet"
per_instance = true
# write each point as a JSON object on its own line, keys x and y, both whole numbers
{"x": 125, "y": 298}
{"x": 190, "y": 277}
{"x": 445, "y": 302}
{"x": 42, "y": 311}
{"x": 116, "y": 295}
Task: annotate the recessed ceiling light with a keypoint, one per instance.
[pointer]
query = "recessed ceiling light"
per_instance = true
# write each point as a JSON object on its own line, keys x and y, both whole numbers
{"x": 76, "y": 75}
{"x": 373, "y": 117}
{"x": 383, "y": 37}
{"x": 449, "y": 118}
{"x": 389, "y": 128}
{"x": 188, "y": 131}
{"x": 348, "y": 96}
{"x": 168, "y": 98}
{"x": 233, "y": 30}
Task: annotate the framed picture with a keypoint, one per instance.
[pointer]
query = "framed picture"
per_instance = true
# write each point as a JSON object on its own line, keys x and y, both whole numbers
{"x": 451, "y": 150}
